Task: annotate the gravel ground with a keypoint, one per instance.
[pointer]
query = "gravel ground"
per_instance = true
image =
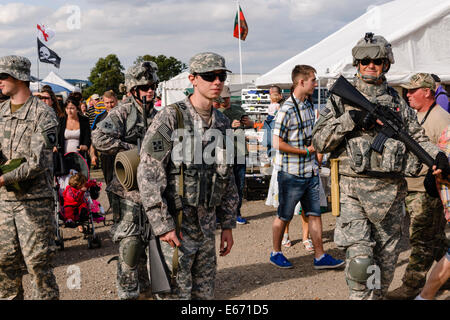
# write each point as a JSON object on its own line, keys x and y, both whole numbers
{"x": 245, "y": 274}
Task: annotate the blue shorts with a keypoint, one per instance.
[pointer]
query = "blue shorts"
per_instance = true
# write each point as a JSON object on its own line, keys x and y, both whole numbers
{"x": 292, "y": 189}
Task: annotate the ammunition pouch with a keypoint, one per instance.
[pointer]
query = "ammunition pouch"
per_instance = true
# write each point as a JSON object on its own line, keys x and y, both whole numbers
{"x": 363, "y": 159}
{"x": 203, "y": 184}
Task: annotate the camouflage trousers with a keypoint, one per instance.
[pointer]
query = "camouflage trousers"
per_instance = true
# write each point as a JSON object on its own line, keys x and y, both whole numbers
{"x": 197, "y": 261}
{"x": 132, "y": 266}
{"x": 426, "y": 236}
{"x": 27, "y": 232}
{"x": 376, "y": 244}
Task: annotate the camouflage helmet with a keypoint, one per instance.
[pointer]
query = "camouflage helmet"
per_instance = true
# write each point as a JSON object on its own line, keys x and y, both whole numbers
{"x": 16, "y": 66}
{"x": 372, "y": 47}
{"x": 142, "y": 73}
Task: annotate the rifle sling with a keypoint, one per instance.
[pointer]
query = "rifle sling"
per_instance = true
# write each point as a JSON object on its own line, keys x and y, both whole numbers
{"x": 179, "y": 217}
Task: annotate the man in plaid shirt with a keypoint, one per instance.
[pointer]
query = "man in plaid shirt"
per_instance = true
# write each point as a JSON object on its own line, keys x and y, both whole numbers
{"x": 298, "y": 172}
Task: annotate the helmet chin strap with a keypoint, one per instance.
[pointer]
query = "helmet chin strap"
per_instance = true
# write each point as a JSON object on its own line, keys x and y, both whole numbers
{"x": 136, "y": 94}
{"x": 138, "y": 97}
{"x": 373, "y": 79}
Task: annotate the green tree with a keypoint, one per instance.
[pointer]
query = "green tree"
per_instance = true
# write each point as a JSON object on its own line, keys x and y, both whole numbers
{"x": 107, "y": 74}
{"x": 168, "y": 67}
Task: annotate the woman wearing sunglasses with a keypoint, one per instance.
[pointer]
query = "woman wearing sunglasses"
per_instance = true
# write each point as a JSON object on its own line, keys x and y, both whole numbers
{"x": 48, "y": 96}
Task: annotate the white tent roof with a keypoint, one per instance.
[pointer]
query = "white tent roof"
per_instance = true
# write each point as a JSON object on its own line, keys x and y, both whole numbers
{"x": 54, "y": 78}
{"x": 418, "y": 31}
{"x": 173, "y": 89}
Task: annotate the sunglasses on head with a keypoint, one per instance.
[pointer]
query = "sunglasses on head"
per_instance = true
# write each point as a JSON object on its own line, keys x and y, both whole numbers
{"x": 4, "y": 76}
{"x": 211, "y": 76}
{"x": 147, "y": 87}
{"x": 377, "y": 62}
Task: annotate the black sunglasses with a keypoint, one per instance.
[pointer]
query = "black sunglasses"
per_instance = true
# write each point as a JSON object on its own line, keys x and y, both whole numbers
{"x": 146, "y": 87}
{"x": 377, "y": 62}
{"x": 4, "y": 76}
{"x": 211, "y": 76}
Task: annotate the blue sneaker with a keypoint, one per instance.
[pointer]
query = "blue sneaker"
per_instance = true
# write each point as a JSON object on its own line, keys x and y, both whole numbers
{"x": 328, "y": 262}
{"x": 280, "y": 261}
{"x": 240, "y": 220}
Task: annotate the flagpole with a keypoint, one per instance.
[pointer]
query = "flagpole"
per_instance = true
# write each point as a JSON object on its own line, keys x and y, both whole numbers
{"x": 37, "y": 60}
{"x": 239, "y": 39}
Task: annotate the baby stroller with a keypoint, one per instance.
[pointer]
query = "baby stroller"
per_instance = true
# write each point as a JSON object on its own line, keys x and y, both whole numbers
{"x": 73, "y": 163}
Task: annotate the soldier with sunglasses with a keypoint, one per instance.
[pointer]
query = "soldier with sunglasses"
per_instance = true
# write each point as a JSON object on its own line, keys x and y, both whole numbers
{"x": 184, "y": 218}
{"x": 121, "y": 130}
{"x": 372, "y": 184}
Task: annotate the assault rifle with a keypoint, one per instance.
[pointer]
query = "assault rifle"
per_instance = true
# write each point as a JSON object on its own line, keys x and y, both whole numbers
{"x": 392, "y": 123}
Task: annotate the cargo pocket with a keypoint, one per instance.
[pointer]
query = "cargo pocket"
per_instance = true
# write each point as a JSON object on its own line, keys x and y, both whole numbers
{"x": 393, "y": 156}
{"x": 191, "y": 187}
{"x": 413, "y": 166}
{"x": 219, "y": 185}
{"x": 358, "y": 150}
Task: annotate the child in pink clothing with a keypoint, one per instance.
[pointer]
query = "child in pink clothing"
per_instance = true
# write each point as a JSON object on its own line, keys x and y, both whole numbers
{"x": 75, "y": 207}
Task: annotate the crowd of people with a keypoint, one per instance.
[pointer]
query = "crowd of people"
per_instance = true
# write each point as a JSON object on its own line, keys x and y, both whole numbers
{"x": 181, "y": 203}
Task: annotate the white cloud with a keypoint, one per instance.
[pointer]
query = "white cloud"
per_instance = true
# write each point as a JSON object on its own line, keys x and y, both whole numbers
{"x": 13, "y": 13}
{"x": 278, "y": 29}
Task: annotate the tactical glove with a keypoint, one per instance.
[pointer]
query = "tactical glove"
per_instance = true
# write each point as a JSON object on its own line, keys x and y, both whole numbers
{"x": 429, "y": 183}
{"x": 441, "y": 162}
{"x": 362, "y": 119}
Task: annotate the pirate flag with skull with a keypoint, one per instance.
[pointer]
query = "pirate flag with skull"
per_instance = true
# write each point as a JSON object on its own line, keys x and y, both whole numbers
{"x": 47, "y": 55}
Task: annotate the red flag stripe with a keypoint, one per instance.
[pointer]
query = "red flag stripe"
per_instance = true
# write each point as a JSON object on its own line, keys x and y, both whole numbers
{"x": 243, "y": 23}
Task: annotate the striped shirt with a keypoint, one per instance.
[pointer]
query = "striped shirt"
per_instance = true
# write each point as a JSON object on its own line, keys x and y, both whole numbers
{"x": 90, "y": 113}
{"x": 295, "y": 132}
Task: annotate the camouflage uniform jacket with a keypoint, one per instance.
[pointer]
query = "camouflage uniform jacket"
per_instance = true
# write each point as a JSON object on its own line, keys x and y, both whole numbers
{"x": 28, "y": 133}
{"x": 334, "y": 132}
{"x": 153, "y": 177}
{"x": 120, "y": 131}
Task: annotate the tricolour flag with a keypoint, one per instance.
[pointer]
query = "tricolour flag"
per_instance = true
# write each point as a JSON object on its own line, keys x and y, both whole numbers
{"x": 244, "y": 26}
{"x": 47, "y": 55}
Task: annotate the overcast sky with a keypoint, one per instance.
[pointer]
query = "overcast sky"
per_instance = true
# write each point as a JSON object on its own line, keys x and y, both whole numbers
{"x": 88, "y": 30}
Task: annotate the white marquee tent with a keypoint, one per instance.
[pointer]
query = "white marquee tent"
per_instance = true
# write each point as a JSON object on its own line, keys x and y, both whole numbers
{"x": 53, "y": 78}
{"x": 418, "y": 31}
{"x": 173, "y": 89}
